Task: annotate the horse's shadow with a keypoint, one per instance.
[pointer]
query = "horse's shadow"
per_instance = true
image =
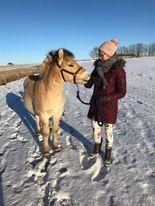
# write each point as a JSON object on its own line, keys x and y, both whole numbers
{"x": 15, "y": 102}
{"x": 1, "y": 191}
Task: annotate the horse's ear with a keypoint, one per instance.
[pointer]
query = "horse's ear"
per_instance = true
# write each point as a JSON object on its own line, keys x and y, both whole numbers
{"x": 60, "y": 56}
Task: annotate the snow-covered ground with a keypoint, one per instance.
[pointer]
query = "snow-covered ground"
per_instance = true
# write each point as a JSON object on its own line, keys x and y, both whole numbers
{"x": 69, "y": 178}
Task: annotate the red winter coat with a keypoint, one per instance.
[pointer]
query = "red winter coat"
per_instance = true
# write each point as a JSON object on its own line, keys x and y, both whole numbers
{"x": 115, "y": 90}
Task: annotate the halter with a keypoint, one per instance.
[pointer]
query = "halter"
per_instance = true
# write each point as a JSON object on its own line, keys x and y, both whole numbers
{"x": 69, "y": 72}
{"x": 74, "y": 79}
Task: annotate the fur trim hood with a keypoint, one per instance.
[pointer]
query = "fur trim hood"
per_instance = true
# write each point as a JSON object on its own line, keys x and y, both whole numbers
{"x": 114, "y": 63}
{"x": 119, "y": 64}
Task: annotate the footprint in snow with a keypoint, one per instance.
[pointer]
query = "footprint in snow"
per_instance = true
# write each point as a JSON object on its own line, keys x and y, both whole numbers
{"x": 59, "y": 199}
{"x": 39, "y": 172}
{"x": 86, "y": 162}
{"x": 150, "y": 77}
{"x": 54, "y": 195}
{"x": 93, "y": 167}
{"x": 70, "y": 143}
{"x": 139, "y": 102}
{"x": 101, "y": 175}
{"x": 36, "y": 165}
{"x": 63, "y": 170}
{"x": 140, "y": 74}
{"x": 3, "y": 164}
{"x": 16, "y": 136}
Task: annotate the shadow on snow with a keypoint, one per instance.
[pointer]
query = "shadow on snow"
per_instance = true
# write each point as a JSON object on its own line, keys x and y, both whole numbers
{"x": 15, "y": 102}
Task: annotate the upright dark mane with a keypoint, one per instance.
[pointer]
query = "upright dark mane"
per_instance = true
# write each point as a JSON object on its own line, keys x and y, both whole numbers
{"x": 67, "y": 53}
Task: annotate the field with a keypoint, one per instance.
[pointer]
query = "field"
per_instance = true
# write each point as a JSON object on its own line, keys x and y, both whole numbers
{"x": 70, "y": 178}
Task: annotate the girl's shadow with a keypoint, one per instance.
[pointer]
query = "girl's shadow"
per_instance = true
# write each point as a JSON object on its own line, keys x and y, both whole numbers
{"x": 15, "y": 102}
{"x": 86, "y": 143}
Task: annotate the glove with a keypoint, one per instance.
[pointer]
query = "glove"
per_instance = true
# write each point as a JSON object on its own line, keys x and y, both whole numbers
{"x": 90, "y": 82}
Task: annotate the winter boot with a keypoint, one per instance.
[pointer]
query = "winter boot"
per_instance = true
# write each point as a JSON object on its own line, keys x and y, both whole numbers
{"x": 96, "y": 151}
{"x": 107, "y": 158}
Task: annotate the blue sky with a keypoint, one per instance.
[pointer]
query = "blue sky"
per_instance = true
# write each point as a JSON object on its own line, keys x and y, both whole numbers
{"x": 29, "y": 29}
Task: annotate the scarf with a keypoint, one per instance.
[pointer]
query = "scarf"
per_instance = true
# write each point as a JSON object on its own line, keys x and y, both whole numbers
{"x": 102, "y": 67}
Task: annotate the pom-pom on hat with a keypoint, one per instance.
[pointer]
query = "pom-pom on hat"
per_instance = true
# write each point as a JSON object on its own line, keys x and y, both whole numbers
{"x": 109, "y": 47}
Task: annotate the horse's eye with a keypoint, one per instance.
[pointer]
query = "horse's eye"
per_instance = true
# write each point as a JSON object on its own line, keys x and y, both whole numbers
{"x": 71, "y": 65}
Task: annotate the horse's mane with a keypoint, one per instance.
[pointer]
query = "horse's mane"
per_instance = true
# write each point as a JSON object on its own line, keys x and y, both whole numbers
{"x": 52, "y": 57}
{"x": 67, "y": 53}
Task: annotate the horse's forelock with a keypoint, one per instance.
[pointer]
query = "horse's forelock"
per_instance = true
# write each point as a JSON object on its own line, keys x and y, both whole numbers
{"x": 67, "y": 53}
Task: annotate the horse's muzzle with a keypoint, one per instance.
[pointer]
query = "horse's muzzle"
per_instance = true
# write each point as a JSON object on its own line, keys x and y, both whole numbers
{"x": 86, "y": 77}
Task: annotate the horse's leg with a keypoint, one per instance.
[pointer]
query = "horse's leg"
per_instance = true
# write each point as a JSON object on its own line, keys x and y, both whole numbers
{"x": 46, "y": 133}
{"x": 55, "y": 131}
{"x": 38, "y": 129}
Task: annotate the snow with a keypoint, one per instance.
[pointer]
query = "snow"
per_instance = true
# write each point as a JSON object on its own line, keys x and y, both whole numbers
{"x": 69, "y": 177}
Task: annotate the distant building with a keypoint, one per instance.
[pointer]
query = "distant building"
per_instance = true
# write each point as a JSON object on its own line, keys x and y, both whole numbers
{"x": 127, "y": 55}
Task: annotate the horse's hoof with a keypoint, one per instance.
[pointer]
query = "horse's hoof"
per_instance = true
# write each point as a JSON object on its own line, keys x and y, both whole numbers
{"x": 40, "y": 137}
{"x": 48, "y": 154}
{"x": 58, "y": 148}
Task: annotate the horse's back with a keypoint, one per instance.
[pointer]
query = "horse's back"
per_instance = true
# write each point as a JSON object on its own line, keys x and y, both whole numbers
{"x": 31, "y": 80}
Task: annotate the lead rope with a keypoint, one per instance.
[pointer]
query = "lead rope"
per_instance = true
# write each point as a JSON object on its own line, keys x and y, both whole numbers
{"x": 98, "y": 105}
{"x": 78, "y": 96}
{"x": 99, "y": 111}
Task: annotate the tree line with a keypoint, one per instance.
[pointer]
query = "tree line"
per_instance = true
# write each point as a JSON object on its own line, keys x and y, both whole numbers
{"x": 134, "y": 50}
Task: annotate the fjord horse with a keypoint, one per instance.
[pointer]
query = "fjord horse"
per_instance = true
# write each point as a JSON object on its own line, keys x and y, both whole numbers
{"x": 43, "y": 95}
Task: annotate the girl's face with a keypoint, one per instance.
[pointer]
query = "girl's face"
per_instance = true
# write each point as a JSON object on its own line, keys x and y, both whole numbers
{"x": 103, "y": 56}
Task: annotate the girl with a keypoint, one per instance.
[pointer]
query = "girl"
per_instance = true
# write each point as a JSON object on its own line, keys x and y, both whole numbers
{"x": 109, "y": 80}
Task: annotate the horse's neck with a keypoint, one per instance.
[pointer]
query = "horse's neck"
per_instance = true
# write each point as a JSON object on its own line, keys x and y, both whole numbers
{"x": 53, "y": 81}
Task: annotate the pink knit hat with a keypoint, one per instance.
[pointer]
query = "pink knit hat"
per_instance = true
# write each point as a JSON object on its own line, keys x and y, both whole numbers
{"x": 109, "y": 47}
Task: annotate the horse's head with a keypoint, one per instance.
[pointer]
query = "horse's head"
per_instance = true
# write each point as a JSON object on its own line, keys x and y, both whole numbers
{"x": 70, "y": 70}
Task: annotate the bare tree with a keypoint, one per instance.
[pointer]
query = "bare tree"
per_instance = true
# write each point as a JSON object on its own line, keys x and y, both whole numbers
{"x": 94, "y": 53}
{"x": 137, "y": 50}
{"x": 151, "y": 51}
